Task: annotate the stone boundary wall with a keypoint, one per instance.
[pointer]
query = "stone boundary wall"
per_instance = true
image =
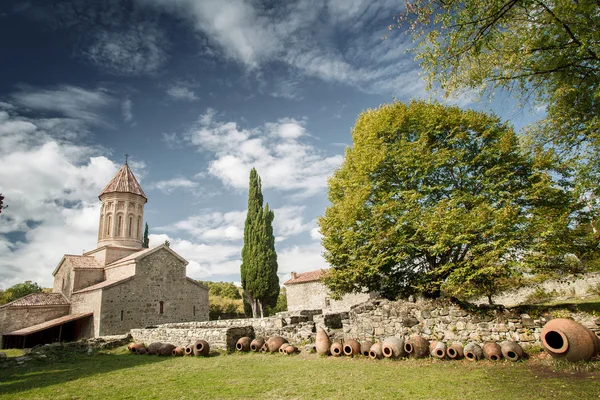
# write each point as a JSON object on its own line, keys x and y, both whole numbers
{"x": 373, "y": 320}
{"x": 558, "y": 289}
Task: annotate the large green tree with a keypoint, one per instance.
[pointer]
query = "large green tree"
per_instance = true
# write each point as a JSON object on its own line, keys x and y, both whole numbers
{"x": 430, "y": 199}
{"x": 19, "y": 290}
{"x": 547, "y": 53}
{"x": 259, "y": 260}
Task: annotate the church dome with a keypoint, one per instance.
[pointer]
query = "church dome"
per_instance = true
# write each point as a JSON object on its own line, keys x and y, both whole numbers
{"x": 124, "y": 182}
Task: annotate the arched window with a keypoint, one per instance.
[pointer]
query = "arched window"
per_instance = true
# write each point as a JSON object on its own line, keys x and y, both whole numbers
{"x": 108, "y": 223}
{"x": 139, "y": 228}
{"x": 119, "y": 225}
{"x": 194, "y": 311}
{"x": 130, "y": 232}
{"x": 162, "y": 307}
{"x": 121, "y": 315}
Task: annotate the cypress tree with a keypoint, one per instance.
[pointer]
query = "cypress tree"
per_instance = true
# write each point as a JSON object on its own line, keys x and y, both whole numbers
{"x": 259, "y": 260}
{"x": 146, "y": 240}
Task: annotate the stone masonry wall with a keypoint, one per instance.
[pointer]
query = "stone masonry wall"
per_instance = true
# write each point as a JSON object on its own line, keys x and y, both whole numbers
{"x": 120, "y": 272}
{"x": 14, "y": 318}
{"x": 314, "y": 295}
{"x": 85, "y": 277}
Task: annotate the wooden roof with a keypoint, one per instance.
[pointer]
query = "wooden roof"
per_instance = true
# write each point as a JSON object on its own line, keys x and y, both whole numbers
{"x": 39, "y": 299}
{"x": 48, "y": 324}
{"x": 124, "y": 181}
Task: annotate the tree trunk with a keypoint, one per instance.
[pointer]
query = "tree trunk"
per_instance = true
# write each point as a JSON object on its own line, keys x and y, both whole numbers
{"x": 489, "y": 296}
{"x": 261, "y": 309}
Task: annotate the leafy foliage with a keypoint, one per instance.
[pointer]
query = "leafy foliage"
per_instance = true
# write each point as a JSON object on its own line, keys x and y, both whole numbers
{"x": 227, "y": 290}
{"x": 19, "y": 290}
{"x": 259, "y": 259}
{"x": 433, "y": 198}
{"x": 546, "y": 52}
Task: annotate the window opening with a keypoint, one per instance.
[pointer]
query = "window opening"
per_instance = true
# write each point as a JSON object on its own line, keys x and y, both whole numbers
{"x": 162, "y": 307}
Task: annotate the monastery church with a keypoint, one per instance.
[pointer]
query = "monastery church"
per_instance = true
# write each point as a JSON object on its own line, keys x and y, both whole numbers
{"x": 112, "y": 289}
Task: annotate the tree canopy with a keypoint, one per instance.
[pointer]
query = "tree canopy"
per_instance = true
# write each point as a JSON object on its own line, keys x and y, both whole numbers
{"x": 19, "y": 290}
{"x": 433, "y": 198}
{"x": 259, "y": 259}
{"x": 545, "y": 52}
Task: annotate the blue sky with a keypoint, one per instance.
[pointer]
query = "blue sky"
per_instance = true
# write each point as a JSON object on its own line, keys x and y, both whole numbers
{"x": 197, "y": 92}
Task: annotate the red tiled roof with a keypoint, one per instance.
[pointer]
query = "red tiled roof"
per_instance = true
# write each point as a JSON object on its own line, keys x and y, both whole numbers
{"x": 305, "y": 277}
{"x": 48, "y": 324}
{"x": 103, "y": 285}
{"x": 39, "y": 299}
{"x": 124, "y": 181}
{"x": 82, "y": 261}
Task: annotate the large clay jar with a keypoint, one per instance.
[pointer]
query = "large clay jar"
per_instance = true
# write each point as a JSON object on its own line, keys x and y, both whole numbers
{"x": 439, "y": 350}
{"x": 289, "y": 349}
{"x": 154, "y": 347}
{"x": 336, "y": 349}
{"x": 375, "y": 351}
{"x": 351, "y": 347}
{"x": 274, "y": 343}
{"x": 393, "y": 347}
{"x": 243, "y": 344}
{"x": 569, "y": 340}
{"x": 322, "y": 342}
{"x": 166, "y": 349}
{"x": 417, "y": 346}
{"x": 189, "y": 350}
{"x": 201, "y": 348}
{"x": 141, "y": 350}
{"x": 455, "y": 352}
{"x": 473, "y": 352}
{"x": 365, "y": 347}
{"x": 283, "y": 347}
{"x": 257, "y": 344}
{"x": 178, "y": 351}
{"x": 512, "y": 351}
{"x": 492, "y": 351}
{"x": 135, "y": 347}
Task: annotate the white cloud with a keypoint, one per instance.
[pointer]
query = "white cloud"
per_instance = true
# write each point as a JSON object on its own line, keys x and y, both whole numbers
{"x": 51, "y": 185}
{"x": 168, "y": 186}
{"x": 302, "y": 258}
{"x": 67, "y": 100}
{"x": 138, "y": 50}
{"x": 277, "y": 150}
{"x": 127, "y": 110}
{"x": 180, "y": 92}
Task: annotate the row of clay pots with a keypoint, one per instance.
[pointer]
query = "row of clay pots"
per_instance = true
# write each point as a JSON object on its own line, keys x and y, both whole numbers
{"x": 417, "y": 347}
{"x": 568, "y": 340}
{"x": 271, "y": 345}
{"x": 199, "y": 348}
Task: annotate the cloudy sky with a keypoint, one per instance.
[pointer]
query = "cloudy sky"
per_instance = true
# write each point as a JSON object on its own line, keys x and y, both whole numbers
{"x": 197, "y": 92}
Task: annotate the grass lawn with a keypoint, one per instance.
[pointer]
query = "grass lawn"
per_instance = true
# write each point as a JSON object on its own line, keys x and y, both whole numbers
{"x": 117, "y": 374}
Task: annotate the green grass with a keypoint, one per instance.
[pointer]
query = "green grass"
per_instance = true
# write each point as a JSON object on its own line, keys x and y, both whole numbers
{"x": 12, "y": 352}
{"x": 119, "y": 375}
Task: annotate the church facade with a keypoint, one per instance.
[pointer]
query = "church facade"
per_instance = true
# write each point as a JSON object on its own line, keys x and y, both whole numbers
{"x": 112, "y": 289}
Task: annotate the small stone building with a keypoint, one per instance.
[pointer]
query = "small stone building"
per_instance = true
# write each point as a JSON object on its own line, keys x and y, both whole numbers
{"x": 112, "y": 289}
{"x": 305, "y": 291}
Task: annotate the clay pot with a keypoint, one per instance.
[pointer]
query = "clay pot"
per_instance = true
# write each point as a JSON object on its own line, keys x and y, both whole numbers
{"x": 178, "y": 351}
{"x": 439, "y": 350}
{"x": 455, "y": 352}
{"x": 142, "y": 351}
{"x": 492, "y": 351}
{"x": 135, "y": 347}
{"x": 336, "y": 349}
{"x": 154, "y": 347}
{"x": 512, "y": 351}
{"x": 375, "y": 351}
{"x": 289, "y": 349}
{"x": 351, "y": 347}
{"x": 473, "y": 352}
{"x": 365, "y": 347}
{"x": 257, "y": 344}
{"x": 283, "y": 347}
{"x": 569, "y": 340}
{"x": 166, "y": 349}
{"x": 243, "y": 344}
{"x": 417, "y": 346}
{"x": 201, "y": 348}
{"x": 189, "y": 350}
{"x": 322, "y": 342}
{"x": 274, "y": 343}
{"x": 393, "y": 347}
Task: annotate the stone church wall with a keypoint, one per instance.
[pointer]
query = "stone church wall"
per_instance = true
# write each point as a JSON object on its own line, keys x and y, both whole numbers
{"x": 85, "y": 277}
{"x": 120, "y": 272}
{"x": 160, "y": 278}
{"x": 86, "y": 302}
{"x": 14, "y": 318}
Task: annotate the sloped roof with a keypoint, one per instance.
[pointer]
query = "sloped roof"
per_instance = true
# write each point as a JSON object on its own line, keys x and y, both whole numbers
{"x": 39, "y": 299}
{"x": 82, "y": 261}
{"x": 143, "y": 253}
{"x": 305, "y": 277}
{"x": 104, "y": 285}
{"x": 124, "y": 181}
{"x": 48, "y": 324}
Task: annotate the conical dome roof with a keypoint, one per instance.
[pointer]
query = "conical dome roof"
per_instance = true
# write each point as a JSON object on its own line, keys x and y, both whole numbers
{"x": 124, "y": 181}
